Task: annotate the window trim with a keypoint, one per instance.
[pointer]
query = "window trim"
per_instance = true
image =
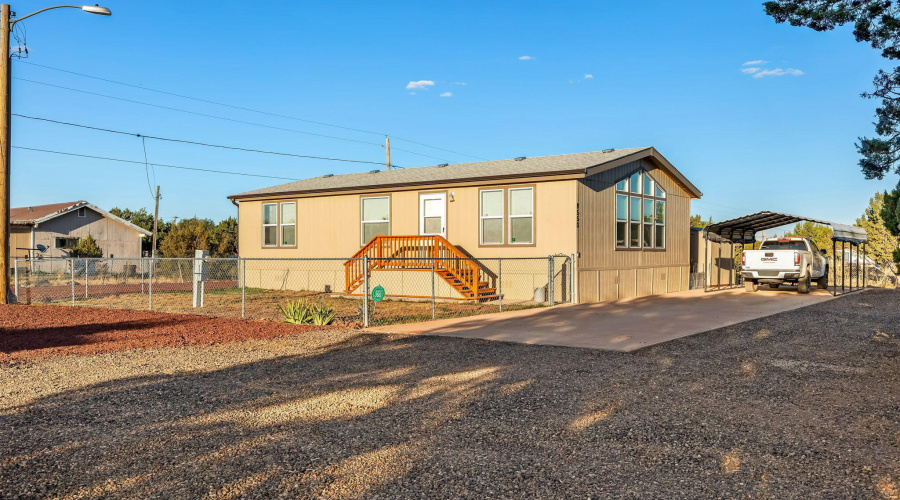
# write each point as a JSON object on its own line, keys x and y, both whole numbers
{"x": 67, "y": 239}
{"x": 629, "y": 193}
{"x": 482, "y": 217}
{"x": 506, "y": 229}
{"x": 510, "y": 215}
{"x": 362, "y": 222}
{"x": 81, "y": 212}
{"x": 279, "y": 232}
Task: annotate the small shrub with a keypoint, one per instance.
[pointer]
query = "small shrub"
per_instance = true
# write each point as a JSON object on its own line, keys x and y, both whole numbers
{"x": 304, "y": 312}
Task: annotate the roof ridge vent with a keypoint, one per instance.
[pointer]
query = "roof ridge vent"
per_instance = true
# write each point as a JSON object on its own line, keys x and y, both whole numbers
{"x": 519, "y": 158}
{"x": 442, "y": 165}
{"x": 328, "y": 175}
{"x": 374, "y": 171}
{"x": 608, "y": 150}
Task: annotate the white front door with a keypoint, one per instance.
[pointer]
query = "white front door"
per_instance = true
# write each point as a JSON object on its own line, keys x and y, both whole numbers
{"x": 433, "y": 214}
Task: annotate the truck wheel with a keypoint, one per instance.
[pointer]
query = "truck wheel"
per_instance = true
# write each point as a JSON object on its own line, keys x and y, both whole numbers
{"x": 750, "y": 286}
{"x": 774, "y": 285}
{"x": 803, "y": 285}
{"x": 822, "y": 283}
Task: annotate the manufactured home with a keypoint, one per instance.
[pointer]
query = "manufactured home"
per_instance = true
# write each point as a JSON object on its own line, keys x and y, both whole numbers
{"x": 623, "y": 216}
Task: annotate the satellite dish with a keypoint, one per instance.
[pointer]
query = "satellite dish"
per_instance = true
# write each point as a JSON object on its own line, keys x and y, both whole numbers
{"x": 41, "y": 248}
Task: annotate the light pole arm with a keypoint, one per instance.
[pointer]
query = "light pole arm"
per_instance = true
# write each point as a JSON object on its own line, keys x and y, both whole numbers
{"x": 13, "y": 22}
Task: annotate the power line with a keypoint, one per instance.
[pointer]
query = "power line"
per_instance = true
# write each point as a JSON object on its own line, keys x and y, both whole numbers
{"x": 183, "y": 141}
{"x": 206, "y": 115}
{"x": 242, "y": 108}
{"x": 156, "y": 164}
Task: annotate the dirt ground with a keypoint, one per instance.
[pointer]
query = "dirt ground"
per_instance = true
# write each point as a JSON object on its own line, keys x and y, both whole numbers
{"x": 34, "y": 332}
{"x": 803, "y": 404}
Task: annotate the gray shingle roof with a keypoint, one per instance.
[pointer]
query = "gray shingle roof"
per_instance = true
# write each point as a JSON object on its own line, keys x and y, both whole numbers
{"x": 540, "y": 165}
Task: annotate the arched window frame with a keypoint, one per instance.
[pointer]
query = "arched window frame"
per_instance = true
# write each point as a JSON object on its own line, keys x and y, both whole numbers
{"x": 635, "y": 229}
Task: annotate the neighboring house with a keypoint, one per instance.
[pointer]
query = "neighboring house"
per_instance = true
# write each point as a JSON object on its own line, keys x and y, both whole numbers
{"x": 623, "y": 213}
{"x": 47, "y": 231}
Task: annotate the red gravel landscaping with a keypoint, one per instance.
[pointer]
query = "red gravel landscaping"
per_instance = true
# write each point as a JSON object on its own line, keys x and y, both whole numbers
{"x": 33, "y": 332}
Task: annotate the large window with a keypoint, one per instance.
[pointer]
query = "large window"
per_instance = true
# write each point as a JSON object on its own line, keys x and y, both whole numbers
{"x": 521, "y": 216}
{"x": 280, "y": 224}
{"x": 375, "y": 214}
{"x": 66, "y": 243}
{"x": 640, "y": 213}
{"x": 491, "y": 216}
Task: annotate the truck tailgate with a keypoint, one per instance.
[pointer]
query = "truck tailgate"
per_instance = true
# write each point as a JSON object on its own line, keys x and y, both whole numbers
{"x": 770, "y": 259}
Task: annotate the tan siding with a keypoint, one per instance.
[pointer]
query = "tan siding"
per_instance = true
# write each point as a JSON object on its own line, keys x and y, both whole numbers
{"x": 596, "y": 235}
{"x": 19, "y": 242}
{"x": 329, "y": 226}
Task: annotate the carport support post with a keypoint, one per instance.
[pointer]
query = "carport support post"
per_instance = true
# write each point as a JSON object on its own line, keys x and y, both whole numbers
{"x": 833, "y": 266}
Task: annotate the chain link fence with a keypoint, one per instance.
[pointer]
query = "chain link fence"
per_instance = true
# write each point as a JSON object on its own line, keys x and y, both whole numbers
{"x": 413, "y": 289}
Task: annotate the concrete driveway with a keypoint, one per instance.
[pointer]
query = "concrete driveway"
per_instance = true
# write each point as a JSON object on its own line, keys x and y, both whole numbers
{"x": 624, "y": 325}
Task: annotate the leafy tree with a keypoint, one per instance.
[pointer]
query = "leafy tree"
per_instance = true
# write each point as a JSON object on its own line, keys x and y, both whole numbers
{"x": 86, "y": 248}
{"x": 890, "y": 212}
{"x": 187, "y": 236}
{"x": 882, "y": 245}
{"x": 225, "y": 238}
{"x": 876, "y": 22}
{"x": 819, "y": 234}
{"x": 697, "y": 221}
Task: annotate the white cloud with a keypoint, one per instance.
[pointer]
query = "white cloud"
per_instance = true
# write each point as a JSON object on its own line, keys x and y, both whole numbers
{"x": 588, "y": 76}
{"x": 777, "y": 72}
{"x": 420, "y": 85}
{"x": 525, "y": 58}
{"x": 447, "y": 94}
{"x": 754, "y": 63}
{"x": 750, "y": 71}
{"x": 458, "y": 83}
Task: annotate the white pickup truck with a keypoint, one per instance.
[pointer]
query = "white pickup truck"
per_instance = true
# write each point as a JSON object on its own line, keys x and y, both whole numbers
{"x": 785, "y": 260}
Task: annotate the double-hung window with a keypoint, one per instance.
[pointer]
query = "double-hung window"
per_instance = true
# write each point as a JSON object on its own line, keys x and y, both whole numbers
{"x": 375, "y": 217}
{"x": 280, "y": 224}
{"x": 640, "y": 213}
{"x": 521, "y": 216}
{"x": 491, "y": 216}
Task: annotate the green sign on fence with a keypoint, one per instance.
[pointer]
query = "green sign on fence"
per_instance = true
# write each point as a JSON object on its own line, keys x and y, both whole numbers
{"x": 378, "y": 293}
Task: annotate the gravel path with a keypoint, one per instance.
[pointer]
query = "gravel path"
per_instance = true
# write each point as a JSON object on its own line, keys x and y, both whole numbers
{"x": 804, "y": 404}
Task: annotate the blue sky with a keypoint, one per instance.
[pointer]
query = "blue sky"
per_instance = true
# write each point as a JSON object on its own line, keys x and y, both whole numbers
{"x": 663, "y": 74}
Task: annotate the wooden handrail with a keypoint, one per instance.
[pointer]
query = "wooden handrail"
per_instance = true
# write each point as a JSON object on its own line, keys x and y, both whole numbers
{"x": 417, "y": 253}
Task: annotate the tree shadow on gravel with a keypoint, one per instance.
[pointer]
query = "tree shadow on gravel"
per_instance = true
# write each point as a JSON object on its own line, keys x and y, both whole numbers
{"x": 714, "y": 415}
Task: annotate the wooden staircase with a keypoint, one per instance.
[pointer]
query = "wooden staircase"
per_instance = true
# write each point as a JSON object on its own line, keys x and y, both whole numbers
{"x": 423, "y": 253}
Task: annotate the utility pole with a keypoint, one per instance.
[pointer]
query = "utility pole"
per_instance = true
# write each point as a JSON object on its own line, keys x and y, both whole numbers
{"x": 6, "y": 24}
{"x": 387, "y": 148}
{"x": 155, "y": 222}
{"x": 4, "y": 151}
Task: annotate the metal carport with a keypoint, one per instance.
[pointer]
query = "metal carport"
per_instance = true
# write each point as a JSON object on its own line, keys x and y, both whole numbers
{"x": 743, "y": 230}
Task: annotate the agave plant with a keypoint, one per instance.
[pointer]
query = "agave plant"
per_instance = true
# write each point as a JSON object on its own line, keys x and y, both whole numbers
{"x": 304, "y": 312}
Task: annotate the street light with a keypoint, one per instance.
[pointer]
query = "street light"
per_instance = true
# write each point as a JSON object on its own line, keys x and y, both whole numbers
{"x": 6, "y": 24}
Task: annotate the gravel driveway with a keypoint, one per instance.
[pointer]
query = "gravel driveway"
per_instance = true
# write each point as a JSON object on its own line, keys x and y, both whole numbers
{"x": 804, "y": 404}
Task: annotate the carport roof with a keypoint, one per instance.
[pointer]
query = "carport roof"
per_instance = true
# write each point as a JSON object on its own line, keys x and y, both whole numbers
{"x": 743, "y": 229}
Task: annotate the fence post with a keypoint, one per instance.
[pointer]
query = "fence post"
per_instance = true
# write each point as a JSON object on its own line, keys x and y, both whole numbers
{"x": 433, "y": 308}
{"x": 366, "y": 291}
{"x": 87, "y": 265}
{"x": 550, "y": 280}
{"x": 72, "y": 262}
{"x": 150, "y": 285}
{"x": 500, "y": 281}
{"x": 243, "y": 286}
{"x": 16, "y": 278}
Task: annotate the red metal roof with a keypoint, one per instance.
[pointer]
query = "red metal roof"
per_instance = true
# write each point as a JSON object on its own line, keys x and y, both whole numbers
{"x": 27, "y": 215}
